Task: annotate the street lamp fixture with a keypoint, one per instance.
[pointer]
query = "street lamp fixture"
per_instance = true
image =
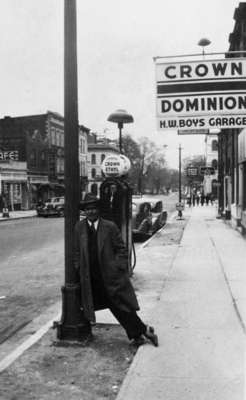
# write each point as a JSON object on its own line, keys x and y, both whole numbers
{"x": 203, "y": 43}
{"x": 120, "y": 117}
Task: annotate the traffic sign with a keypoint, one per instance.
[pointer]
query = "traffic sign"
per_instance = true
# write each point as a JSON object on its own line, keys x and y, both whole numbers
{"x": 179, "y": 206}
{"x": 207, "y": 170}
{"x": 192, "y": 171}
{"x": 216, "y": 184}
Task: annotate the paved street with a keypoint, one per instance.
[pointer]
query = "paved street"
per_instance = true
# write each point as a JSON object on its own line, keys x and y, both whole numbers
{"x": 32, "y": 270}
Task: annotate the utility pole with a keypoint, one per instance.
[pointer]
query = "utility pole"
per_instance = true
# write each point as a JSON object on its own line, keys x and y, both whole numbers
{"x": 180, "y": 205}
{"x": 180, "y": 173}
{"x": 73, "y": 326}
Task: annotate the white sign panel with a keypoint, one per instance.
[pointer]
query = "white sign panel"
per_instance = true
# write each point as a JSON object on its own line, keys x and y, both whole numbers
{"x": 115, "y": 165}
{"x": 201, "y": 94}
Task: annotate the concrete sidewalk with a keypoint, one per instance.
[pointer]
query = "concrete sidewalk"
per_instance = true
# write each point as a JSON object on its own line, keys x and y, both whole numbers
{"x": 18, "y": 215}
{"x": 200, "y": 318}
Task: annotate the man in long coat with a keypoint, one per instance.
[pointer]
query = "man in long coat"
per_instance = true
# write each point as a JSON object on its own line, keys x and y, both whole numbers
{"x": 101, "y": 258}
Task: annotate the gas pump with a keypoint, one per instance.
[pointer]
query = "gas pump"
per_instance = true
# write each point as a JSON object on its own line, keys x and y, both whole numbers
{"x": 116, "y": 199}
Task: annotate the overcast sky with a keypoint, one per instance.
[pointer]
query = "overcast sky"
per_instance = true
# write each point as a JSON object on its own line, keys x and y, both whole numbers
{"x": 117, "y": 40}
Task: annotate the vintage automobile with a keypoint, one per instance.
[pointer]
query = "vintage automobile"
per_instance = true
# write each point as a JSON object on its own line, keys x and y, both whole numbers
{"x": 52, "y": 207}
{"x": 148, "y": 217}
{"x": 159, "y": 215}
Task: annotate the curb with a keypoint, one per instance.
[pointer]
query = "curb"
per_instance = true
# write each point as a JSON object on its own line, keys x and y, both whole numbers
{"x": 15, "y": 218}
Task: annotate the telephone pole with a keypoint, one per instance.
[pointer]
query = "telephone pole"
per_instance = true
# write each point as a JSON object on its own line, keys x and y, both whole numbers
{"x": 180, "y": 205}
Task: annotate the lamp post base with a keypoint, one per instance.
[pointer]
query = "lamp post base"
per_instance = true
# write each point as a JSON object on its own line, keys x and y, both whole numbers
{"x": 73, "y": 326}
{"x": 180, "y": 215}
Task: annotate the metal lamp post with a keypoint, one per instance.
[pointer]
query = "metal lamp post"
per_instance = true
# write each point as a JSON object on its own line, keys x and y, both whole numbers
{"x": 73, "y": 326}
{"x": 120, "y": 117}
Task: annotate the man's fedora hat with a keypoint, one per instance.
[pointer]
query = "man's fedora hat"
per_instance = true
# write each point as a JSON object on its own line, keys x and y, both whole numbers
{"x": 89, "y": 200}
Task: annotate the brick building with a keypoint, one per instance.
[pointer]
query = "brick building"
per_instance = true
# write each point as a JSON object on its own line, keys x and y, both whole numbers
{"x": 38, "y": 140}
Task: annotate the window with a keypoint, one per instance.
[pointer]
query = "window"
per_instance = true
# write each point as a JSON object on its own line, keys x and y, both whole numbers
{"x": 43, "y": 158}
{"x": 93, "y": 158}
{"x": 215, "y": 164}
{"x": 33, "y": 158}
{"x": 57, "y": 142}
{"x": 214, "y": 145}
{"x": 53, "y": 136}
{"x": 94, "y": 189}
{"x": 93, "y": 172}
{"x": 62, "y": 165}
{"x": 83, "y": 168}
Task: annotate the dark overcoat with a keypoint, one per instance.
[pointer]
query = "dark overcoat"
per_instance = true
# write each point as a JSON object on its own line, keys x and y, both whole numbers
{"x": 112, "y": 255}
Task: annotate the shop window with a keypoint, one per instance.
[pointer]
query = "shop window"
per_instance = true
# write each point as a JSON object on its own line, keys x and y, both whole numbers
{"x": 93, "y": 158}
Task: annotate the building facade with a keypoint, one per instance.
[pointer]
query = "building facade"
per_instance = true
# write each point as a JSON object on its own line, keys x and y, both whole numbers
{"x": 38, "y": 141}
{"x": 232, "y": 194}
{"x": 98, "y": 149}
{"x": 211, "y": 159}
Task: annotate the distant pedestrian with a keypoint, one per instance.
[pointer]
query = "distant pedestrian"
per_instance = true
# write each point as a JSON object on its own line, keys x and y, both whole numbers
{"x": 102, "y": 261}
{"x": 1, "y": 203}
{"x": 193, "y": 199}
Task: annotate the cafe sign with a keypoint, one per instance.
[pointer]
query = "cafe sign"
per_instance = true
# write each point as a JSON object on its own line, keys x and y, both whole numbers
{"x": 9, "y": 155}
{"x": 203, "y": 94}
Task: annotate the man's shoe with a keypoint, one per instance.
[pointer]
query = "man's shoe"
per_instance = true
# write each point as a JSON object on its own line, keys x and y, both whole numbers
{"x": 138, "y": 341}
{"x": 150, "y": 334}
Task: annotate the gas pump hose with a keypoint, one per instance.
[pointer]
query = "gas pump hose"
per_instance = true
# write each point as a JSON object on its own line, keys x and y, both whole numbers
{"x": 134, "y": 256}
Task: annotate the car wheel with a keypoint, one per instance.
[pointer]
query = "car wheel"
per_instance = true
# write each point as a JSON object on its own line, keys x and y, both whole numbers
{"x": 144, "y": 226}
{"x": 60, "y": 213}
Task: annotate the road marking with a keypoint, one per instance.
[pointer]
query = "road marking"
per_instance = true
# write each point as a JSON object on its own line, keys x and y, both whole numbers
{"x": 9, "y": 359}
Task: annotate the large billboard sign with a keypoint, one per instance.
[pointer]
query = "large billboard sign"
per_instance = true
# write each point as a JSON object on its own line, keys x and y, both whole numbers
{"x": 203, "y": 94}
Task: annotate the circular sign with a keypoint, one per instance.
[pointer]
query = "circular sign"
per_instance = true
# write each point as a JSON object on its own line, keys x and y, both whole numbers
{"x": 114, "y": 165}
{"x": 127, "y": 164}
{"x": 179, "y": 206}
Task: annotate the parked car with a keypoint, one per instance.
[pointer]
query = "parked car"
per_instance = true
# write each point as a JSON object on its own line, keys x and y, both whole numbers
{"x": 148, "y": 217}
{"x": 53, "y": 206}
{"x": 159, "y": 215}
